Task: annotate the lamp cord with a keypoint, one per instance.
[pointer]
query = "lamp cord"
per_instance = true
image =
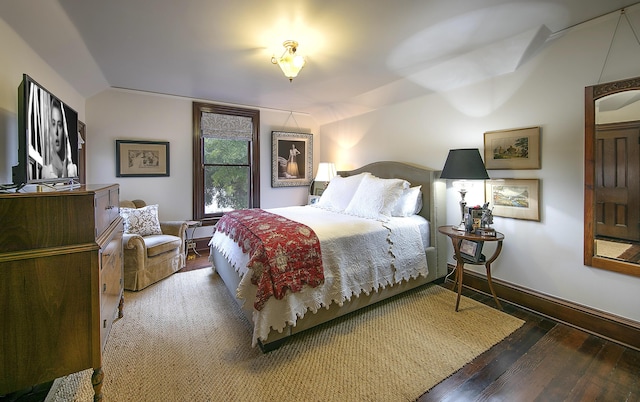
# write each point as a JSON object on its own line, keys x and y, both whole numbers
{"x": 615, "y": 32}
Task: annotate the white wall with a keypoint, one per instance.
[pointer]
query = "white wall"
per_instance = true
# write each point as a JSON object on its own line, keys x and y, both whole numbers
{"x": 122, "y": 114}
{"x": 547, "y": 91}
{"x": 17, "y": 59}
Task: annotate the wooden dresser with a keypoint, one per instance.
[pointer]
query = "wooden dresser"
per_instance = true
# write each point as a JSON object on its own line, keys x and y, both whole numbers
{"x": 61, "y": 283}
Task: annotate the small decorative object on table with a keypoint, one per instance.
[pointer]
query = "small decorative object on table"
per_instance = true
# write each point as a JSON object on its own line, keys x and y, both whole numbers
{"x": 485, "y": 221}
{"x": 473, "y": 218}
{"x": 485, "y": 232}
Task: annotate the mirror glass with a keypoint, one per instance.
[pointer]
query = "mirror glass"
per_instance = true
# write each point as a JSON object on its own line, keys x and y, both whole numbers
{"x": 612, "y": 177}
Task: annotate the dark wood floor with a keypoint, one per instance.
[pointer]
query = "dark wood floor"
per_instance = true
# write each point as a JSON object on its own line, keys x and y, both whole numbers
{"x": 542, "y": 361}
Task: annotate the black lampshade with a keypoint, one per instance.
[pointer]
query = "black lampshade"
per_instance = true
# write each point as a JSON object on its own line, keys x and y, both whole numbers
{"x": 464, "y": 164}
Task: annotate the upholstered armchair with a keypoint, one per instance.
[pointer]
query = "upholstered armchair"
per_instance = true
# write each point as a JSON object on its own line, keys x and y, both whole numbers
{"x": 153, "y": 250}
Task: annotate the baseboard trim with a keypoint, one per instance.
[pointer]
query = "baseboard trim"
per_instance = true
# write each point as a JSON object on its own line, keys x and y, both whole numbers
{"x": 609, "y": 326}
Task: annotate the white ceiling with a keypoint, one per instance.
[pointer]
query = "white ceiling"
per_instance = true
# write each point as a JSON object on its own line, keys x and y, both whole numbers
{"x": 361, "y": 54}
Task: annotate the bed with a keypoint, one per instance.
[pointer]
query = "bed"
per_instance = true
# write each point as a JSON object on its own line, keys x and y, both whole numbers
{"x": 402, "y": 246}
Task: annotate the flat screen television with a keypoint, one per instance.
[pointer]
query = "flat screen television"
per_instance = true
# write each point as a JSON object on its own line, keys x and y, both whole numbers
{"x": 47, "y": 137}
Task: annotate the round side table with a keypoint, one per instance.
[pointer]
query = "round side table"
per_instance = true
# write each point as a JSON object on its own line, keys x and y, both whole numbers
{"x": 457, "y": 237}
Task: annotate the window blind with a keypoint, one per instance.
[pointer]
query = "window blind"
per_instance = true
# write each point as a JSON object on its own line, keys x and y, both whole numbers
{"x": 226, "y": 127}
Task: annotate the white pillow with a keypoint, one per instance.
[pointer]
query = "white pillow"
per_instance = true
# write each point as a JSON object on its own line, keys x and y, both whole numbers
{"x": 143, "y": 221}
{"x": 375, "y": 197}
{"x": 409, "y": 203}
{"x": 339, "y": 191}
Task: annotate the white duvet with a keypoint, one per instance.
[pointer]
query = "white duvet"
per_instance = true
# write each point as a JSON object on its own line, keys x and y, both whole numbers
{"x": 358, "y": 255}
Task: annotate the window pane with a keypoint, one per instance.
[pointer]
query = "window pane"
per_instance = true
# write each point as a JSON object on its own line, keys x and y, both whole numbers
{"x": 225, "y": 152}
{"x": 226, "y": 188}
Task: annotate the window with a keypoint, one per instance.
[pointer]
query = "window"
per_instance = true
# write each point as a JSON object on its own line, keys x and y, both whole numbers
{"x": 226, "y": 160}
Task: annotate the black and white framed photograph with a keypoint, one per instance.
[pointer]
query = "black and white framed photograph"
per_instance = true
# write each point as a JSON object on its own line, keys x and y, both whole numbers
{"x": 142, "y": 158}
{"x": 292, "y": 159}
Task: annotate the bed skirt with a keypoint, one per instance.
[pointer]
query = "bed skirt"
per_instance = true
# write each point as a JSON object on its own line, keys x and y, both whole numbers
{"x": 231, "y": 280}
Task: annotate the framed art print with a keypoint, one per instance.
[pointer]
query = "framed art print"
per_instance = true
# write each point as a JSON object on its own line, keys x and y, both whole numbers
{"x": 142, "y": 158}
{"x": 512, "y": 198}
{"x": 512, "y": 149}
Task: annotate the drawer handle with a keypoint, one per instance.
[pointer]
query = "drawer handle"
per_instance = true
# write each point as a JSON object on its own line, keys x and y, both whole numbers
{"x": 104, "y": 323}
{"x": 104, "y": 287}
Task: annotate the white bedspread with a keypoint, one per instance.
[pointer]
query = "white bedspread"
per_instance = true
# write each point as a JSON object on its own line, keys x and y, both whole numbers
{"x": 359, "y": 256}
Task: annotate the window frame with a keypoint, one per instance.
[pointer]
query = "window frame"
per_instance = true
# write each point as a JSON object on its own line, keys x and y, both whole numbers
{"x": 198, "y": 158}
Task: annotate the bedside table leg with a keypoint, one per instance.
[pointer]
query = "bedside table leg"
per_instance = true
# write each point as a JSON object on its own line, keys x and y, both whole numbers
{"x": 460, "y": 270}
{"x": 488, "y": 267}
{"x": 455, "y": 278}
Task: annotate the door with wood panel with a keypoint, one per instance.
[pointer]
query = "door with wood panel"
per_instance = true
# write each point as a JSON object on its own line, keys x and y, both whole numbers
{"x": 618, "y": 180}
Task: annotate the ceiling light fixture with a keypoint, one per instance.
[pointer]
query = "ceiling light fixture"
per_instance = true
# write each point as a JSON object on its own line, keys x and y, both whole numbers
{"x": 289, "y": 62}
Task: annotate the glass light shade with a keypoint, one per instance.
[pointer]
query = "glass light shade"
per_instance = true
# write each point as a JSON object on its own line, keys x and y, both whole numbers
{"x": 290, "y": 63}
{"x": 326, "y": 171}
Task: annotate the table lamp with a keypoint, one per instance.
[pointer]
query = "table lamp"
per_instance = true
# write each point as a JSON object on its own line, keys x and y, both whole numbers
{"x": 326, "y": 172}
{"x": 464, "y": 164}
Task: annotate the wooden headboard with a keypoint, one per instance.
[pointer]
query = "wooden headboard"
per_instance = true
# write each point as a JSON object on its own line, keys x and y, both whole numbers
{"x": 433, "y": 197}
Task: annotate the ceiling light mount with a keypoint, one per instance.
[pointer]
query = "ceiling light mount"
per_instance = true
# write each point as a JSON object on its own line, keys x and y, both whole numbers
{"x": 290, "y": 63}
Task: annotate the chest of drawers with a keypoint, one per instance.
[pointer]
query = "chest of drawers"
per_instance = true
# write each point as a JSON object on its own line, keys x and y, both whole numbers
{"x": 61, "y": 283}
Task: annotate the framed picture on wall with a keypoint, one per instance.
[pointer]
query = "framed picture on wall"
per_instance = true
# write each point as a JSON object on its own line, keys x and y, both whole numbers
{"x": 292, "y": 159}
{"x": 142, "y": 158}
{"x": 512, "y": 149}
{"x": 513, "y": 198}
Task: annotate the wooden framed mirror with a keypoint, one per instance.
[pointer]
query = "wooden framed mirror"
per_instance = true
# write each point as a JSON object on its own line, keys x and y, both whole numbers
{"x": 612, "y": 176}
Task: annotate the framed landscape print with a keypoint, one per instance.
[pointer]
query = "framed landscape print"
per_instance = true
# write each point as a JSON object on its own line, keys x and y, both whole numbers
{"x": 142, "y": 158}
{"x": 512, "y": 149}
{"x": 514, "y": 198}
{"x": 292, "y": 159}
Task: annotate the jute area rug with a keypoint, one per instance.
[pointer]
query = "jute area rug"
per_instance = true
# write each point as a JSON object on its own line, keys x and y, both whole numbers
{"x": 184, "y": 339}
{"x": 618, "y": 250}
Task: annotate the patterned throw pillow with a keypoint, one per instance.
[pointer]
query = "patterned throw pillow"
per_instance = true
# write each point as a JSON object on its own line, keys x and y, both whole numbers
{"x": 143, "y": 221}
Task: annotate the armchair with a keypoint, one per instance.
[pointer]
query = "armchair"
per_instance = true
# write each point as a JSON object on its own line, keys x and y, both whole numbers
{"x": 149, "y": 258}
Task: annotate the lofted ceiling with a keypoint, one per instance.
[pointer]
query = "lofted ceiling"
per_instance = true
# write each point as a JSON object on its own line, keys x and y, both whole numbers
{"x": 361, "y": 54}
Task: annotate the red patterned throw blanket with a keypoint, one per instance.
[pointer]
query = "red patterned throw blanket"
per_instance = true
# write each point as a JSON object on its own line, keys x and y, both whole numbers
{"x": 283, "y": 254}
